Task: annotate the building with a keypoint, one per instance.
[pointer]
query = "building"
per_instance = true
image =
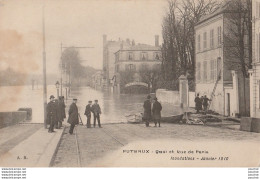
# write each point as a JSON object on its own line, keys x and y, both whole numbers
{"x": 216, "y": 74}
{"x": 109, "y": 49}
{"x": 255, "y": 71}
{"x": 136, "y": 65}
{"x": 97, "y": 80}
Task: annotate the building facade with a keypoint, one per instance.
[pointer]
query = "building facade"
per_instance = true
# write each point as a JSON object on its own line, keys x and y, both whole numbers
{"x": 216, "y": 75}
{"x": 109, "y": 49}
{"x": 255, "y": 71}
{"x": 137, "y": 62}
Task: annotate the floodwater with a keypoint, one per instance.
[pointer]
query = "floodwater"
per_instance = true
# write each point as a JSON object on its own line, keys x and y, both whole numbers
{"x": 114, "y": 107}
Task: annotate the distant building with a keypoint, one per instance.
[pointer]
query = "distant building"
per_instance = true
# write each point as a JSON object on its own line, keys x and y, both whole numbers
{"x": 97, "y": 80}
{"x": 213, "y": 62}
{"x": 255, "y": 71}
{"x": 134, "y": 61}
{"x": 109, "y": 49}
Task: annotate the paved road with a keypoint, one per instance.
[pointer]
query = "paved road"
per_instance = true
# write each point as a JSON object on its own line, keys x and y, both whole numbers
{"x": 97, "y": 143}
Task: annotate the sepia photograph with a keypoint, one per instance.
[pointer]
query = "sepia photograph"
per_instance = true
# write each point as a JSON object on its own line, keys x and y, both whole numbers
{"x": 129, "y": 83}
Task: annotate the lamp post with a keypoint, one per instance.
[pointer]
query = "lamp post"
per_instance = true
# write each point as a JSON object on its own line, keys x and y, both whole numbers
{"x": 57, "y": 84}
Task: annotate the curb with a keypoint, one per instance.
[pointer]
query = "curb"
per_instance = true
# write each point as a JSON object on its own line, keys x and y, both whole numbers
{"x": 56, "y": 149}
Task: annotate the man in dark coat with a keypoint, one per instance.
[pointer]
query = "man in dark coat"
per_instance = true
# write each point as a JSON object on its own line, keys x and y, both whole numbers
{"x": 198, "y": 103}
{"x": 52, "y": 113}
{"x": 61, "y": 112}
{"x": 73, "y": 116}
{"x": 147, "y": 111}
{"x": 205, "y": 103}
{"x": 96, "y": 111}
{"x": 88, "y": 111}
{"x": 157, "y": 107}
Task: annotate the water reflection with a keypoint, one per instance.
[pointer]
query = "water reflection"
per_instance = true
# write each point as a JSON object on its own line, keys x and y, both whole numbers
{"x": 114, "y": 107}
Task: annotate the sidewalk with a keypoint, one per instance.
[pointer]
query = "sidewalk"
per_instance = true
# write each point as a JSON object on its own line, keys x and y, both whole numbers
{"x": 36, "y": 150}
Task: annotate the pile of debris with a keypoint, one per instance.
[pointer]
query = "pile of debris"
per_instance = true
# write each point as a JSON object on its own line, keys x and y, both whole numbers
{"x": 198, "y": 119}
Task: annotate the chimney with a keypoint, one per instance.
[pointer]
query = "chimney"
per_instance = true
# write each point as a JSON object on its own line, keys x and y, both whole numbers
{"x": 156, "y": 40}
{"x": 104, "y": 39}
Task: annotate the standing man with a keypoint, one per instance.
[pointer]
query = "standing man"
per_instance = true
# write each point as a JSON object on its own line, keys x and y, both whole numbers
{"x": 52, "y": 113}
{"x": 61, "y": 112}
{"x": 96, "y": 111}
{"x": 73, "y": 116}
{"x": 147, "y": 111}
{"x": 157, "y": 107}
{"x": 205, "y": 103}
{"x": 88, "y": 113}
{"x": 198, "y": 103}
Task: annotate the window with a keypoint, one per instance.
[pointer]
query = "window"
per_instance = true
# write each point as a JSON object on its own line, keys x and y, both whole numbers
{"x": 205, "y": 71}
{"x": 219, "y": 36}
{"x": 130, "y": 56}
{"x": 205, "y": 40}
{"x": 130, "y": 67}
{"x": 212, "y": 38}
{"x": 156, "y": 56}
{"x": 198, "y": 43}
{"x": 144, "y": 56}
{"x": 198, "y": 72}
{"x": 212, "y": 66}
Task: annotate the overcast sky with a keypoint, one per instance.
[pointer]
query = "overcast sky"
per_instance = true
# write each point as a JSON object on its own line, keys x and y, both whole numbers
{"x": 74, "y": 23}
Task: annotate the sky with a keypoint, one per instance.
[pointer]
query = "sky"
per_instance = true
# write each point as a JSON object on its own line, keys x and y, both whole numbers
{"x": 72, "y": 23}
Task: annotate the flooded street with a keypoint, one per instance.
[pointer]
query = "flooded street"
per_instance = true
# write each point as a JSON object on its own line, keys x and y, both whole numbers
{"x": 114, "y": 106}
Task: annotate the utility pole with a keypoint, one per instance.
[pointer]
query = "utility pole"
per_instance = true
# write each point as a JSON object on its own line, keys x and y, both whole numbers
{"x": 61, "y": 69}
{"x": 44, "y": 70}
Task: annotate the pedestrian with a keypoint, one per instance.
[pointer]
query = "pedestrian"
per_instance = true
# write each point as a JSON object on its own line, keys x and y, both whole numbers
{"x": 198, "y": 103}
{"x": 57, "y": 122}
{"x": 97, "y": 112}
{"x": 201, "y": 102}
{"x": 147, "y": 110}
{"x": 157, "y": 107}
{"x": 61, "y": 112}
{"x": 205, "y": 103}
{"x": 88, "y": 111}
{"x": 73, "y": 116}
{"x": 52, "y": 113}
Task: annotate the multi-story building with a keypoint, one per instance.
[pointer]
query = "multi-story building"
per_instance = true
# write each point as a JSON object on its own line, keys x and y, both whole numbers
{"x": 255, "y": 71}
{"x": 109, "y": 49}
{"x": 136, "y": 59}
{"x": 214, "y": 66}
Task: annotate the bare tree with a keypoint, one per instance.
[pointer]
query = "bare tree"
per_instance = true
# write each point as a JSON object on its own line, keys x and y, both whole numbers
{"x": 178, "y": 49}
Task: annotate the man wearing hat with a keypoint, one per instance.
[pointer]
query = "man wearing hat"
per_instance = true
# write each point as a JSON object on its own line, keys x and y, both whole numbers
{"x": 52, "y": 113}
{"x": 147, "y": 111}
{"x": 156, "y": 110}
{"x": 73, "y": 116}
{"x": 88, "y": 113}
{"x": 61, "y": 112}
{"x": 96, "y": 111}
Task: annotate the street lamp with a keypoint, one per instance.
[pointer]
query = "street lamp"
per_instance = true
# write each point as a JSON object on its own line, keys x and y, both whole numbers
{"x": 57, "y": 87}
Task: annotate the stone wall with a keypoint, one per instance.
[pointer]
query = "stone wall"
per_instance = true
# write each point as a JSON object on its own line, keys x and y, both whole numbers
{"x": 11, "y": 118}
{"x": 173, "y": 97}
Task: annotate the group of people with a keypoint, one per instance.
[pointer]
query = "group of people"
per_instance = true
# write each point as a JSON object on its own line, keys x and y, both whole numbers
{"x": 152, "y": 111}
{"x": 56, "y": 113}
{"x": 200, "y": 102}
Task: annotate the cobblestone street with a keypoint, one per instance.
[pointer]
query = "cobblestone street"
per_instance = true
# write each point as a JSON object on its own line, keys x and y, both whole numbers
{"x": 97, "y": 143}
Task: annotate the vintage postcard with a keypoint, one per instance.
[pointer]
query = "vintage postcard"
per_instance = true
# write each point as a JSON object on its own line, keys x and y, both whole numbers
{"x": 136, "y": 83}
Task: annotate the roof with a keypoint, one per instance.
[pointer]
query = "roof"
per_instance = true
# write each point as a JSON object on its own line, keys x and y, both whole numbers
{"x": 140, "y": 47}
{"x": 222, "y": 8}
